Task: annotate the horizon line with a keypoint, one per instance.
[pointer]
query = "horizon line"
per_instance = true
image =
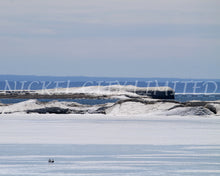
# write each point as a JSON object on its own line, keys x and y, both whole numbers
{"x": 34, "y": 75}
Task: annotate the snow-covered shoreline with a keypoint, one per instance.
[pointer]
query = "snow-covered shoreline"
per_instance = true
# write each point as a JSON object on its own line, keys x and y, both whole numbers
{"x": 132, "y": 100}
{"x": 129, "y": 106}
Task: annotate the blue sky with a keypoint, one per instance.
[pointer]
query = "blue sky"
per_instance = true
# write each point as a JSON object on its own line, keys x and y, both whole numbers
{"x": 120, "y": 38}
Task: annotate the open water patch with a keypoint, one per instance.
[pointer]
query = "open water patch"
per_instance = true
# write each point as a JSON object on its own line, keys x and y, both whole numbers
{"x": 80, "y": 101}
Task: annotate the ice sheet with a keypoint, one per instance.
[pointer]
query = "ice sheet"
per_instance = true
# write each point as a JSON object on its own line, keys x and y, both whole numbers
{"x": 107, "y": 129}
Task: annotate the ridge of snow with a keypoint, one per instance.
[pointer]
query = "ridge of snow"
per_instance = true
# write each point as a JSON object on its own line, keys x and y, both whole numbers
{"x": 103, "y": 90}
{"x": 35, "y": 104}
{"x": 137, "y": 108}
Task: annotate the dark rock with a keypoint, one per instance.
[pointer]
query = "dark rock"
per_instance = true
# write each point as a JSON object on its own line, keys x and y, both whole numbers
{"x": 101, "y": 110}
{"x": 211, "y": 108}
{"x": 195, "y": 103}
{"x": 177, "y": 106}
{"x": 50, "y": 110}
{"x": 155, "y": 92}
{"x": 161, "y": 94}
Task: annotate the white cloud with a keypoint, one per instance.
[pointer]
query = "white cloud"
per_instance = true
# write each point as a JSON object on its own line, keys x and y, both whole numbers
{"x": 102, "y": 31}
{"x": 114, "y": 11}
{"x": 110, "y": 49}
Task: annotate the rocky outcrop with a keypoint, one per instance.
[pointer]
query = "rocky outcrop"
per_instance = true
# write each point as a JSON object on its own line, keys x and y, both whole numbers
{"x": 157, "y": 92}
{"x": 51, "y": 110}
{"x": 212, "y": 108}
{"x": 56, "y": 110}
{"x": 166, "y": 107}
{"x": 135, "y": 106}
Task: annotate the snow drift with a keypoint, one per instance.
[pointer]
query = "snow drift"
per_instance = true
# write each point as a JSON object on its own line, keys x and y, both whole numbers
{"x": 138, "y": 106}
{"x": 55, "y": 107}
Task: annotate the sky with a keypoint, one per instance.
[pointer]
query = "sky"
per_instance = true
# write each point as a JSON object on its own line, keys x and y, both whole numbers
{"x": 110, "y": 38}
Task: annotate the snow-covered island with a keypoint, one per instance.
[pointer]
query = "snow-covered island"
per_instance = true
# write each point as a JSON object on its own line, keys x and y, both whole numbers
{"x": 92, "y": 92}
{"x": 131, "y": 101}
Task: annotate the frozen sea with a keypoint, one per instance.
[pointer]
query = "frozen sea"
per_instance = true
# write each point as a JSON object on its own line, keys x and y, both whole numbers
{"x": 109, "y": 145}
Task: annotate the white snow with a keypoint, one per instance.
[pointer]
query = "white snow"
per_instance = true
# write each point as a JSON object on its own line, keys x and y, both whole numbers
{"x": 109, "y": 145}
{"x": 103, "y": 90}
{"x": 20, "y": 107}
{"x": 106, "y": 129}
{"x": 95, "y": 90}
{"x": 108, "y": 160}
{"x": 189, "y": 111}
{"x": 34, "y": 104}
{"x": 123, "y": 109}
{"x": 137, "y": 108}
